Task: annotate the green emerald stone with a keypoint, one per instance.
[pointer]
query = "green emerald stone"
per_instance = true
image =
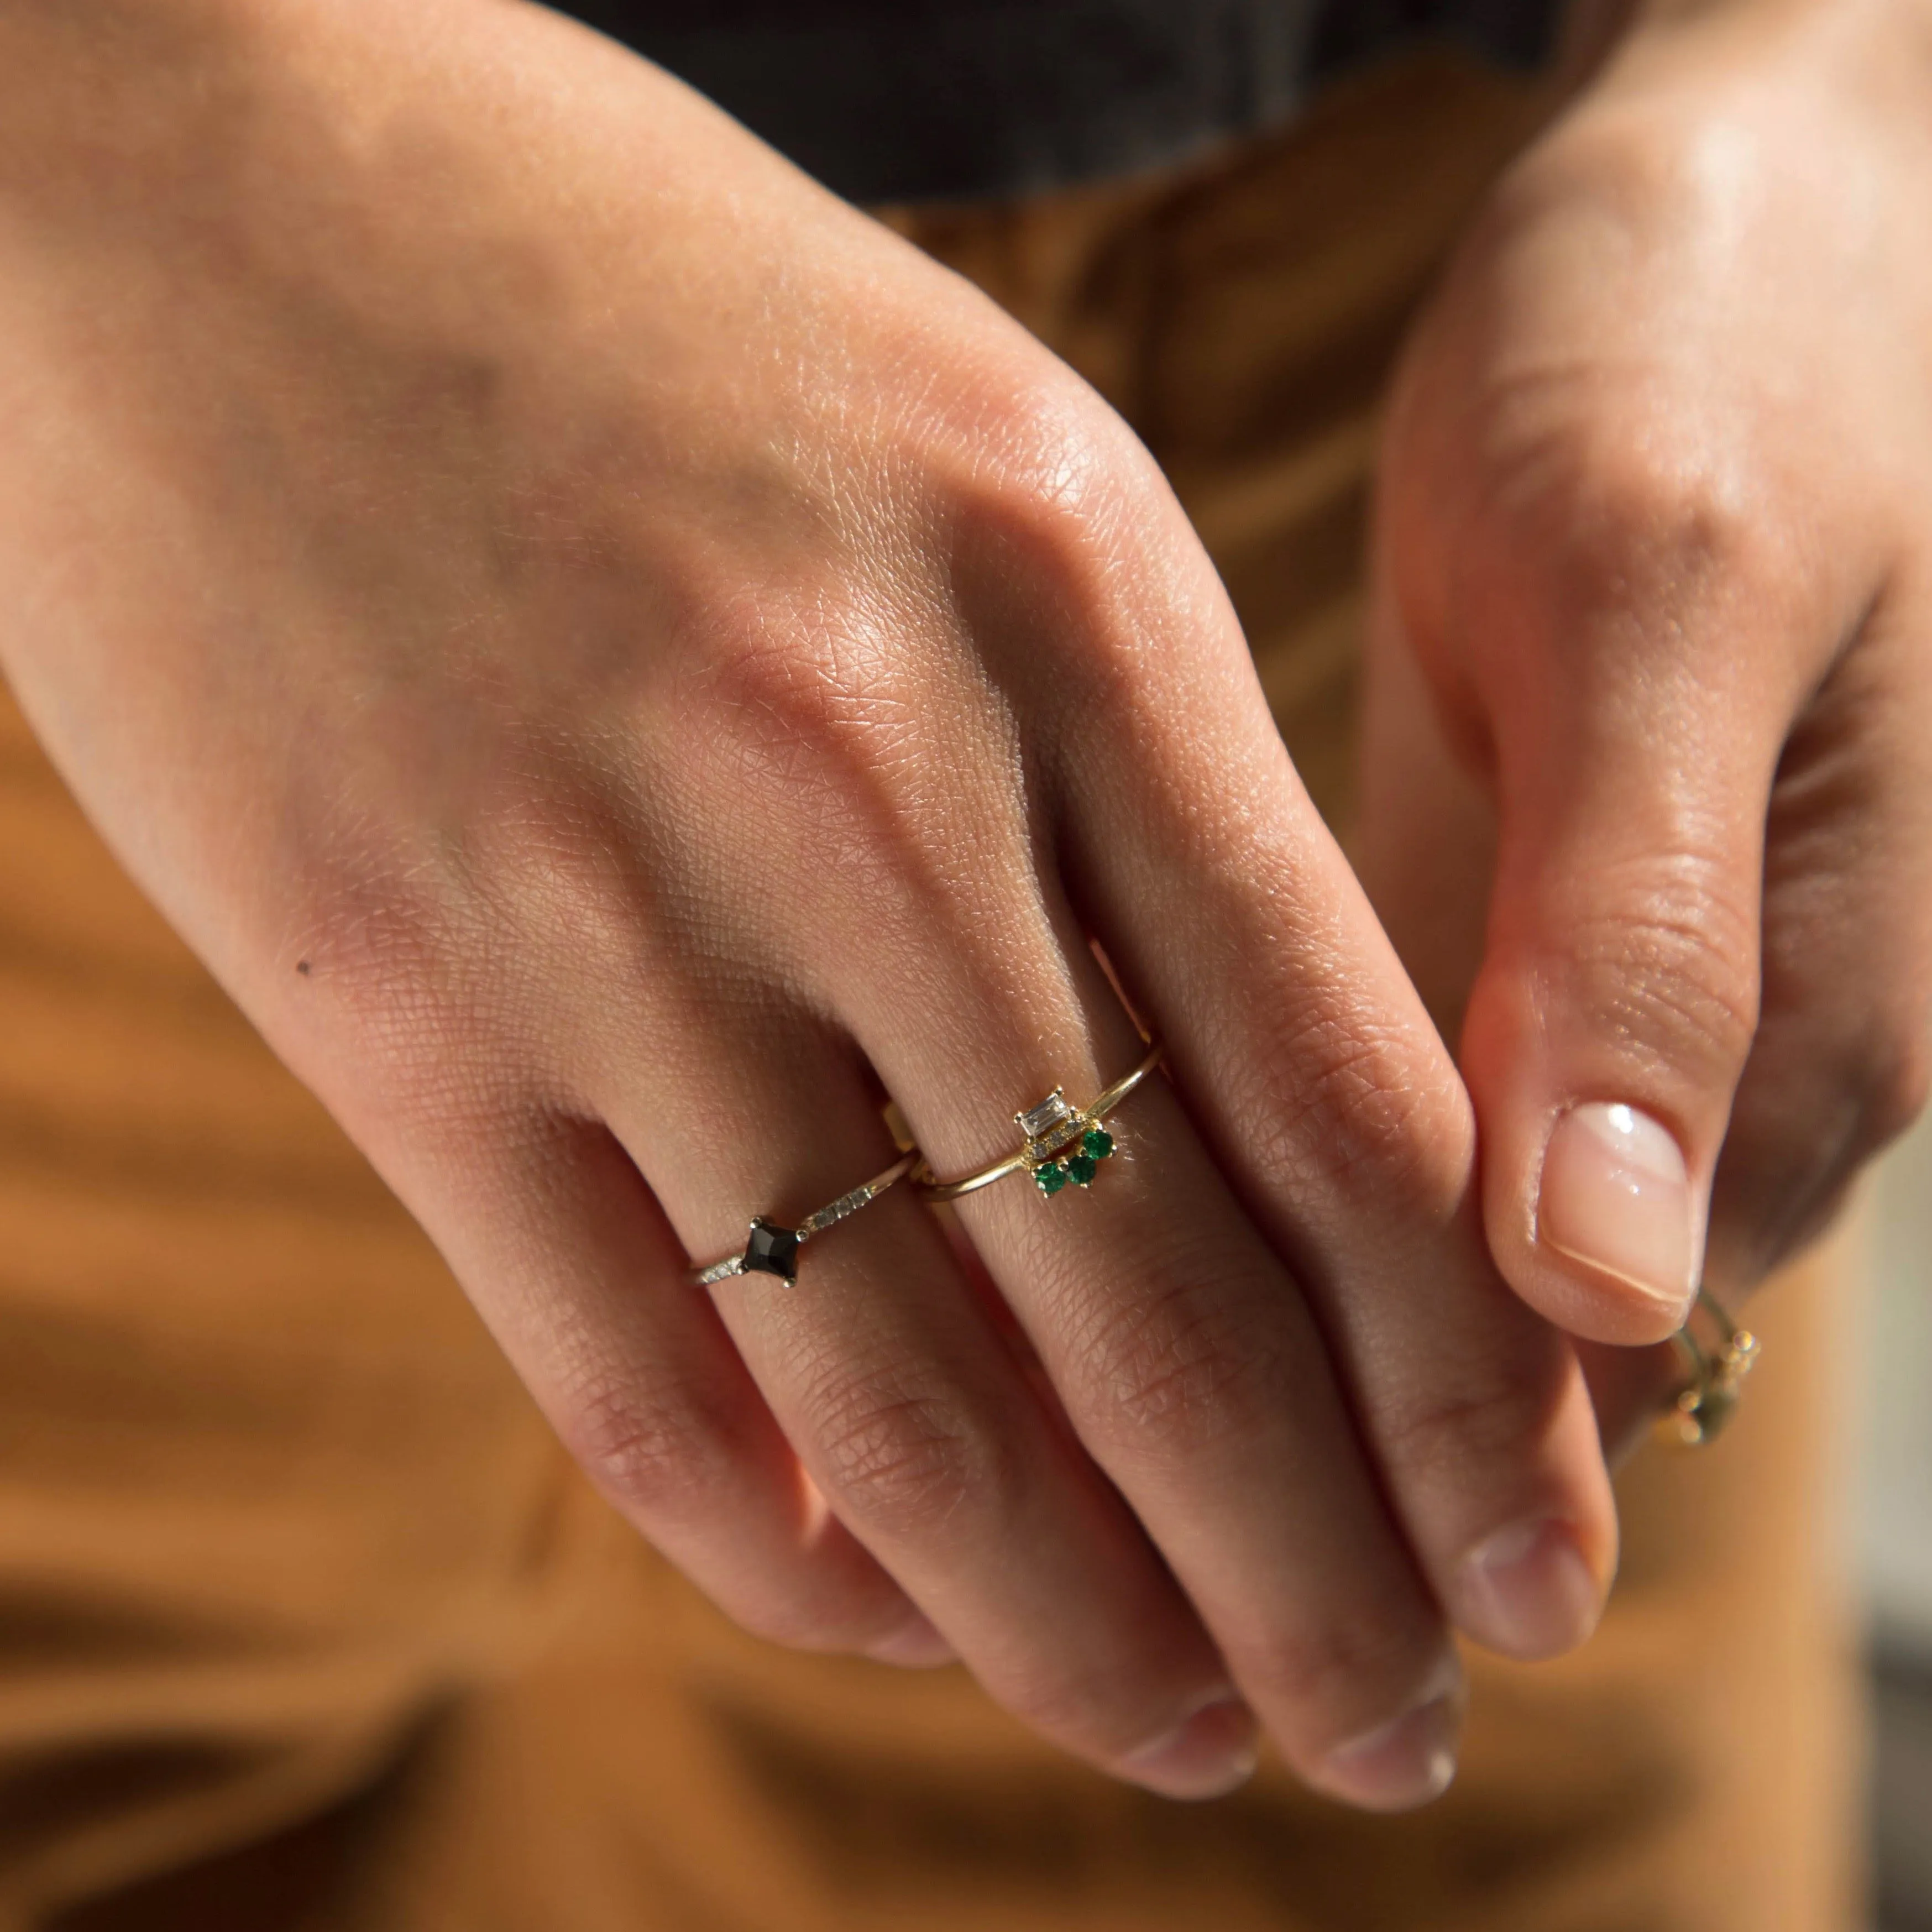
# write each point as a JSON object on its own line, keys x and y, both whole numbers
{"x": 1051, "y": 1178}
{"x": 1097, "y": 1144}
{"x": 1082, "y": 1168}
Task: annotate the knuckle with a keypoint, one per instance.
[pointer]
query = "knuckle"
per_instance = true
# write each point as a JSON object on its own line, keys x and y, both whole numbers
{"x": 795, "y": 1623}
{"x": 907, "y": 1463}
{"x": 1347, "y": 1104}
{"x": 1630, "y": 507}
{"x": 809, "y": 688}
{"x": 659, "y": 1460}
{"x": 1173, "y": 1374}
{"x": 1671, "y": 967}
{"x": 1659, "y": 514}
{"x": 1036, "y": 447}
{"x": 1474, "y": 1418}
{"x": 1099, "y": 1701}
{"x": 1363, "y": 1112}
{"x": 668, "y": 1465}
{"x": 1071, "y": 531}
{"x": 1331, "y": 1671}
{"x": 867, "y": 753}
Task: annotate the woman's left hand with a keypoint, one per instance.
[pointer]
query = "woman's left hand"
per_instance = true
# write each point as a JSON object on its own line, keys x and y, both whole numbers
{"x": 1652, "y": 674}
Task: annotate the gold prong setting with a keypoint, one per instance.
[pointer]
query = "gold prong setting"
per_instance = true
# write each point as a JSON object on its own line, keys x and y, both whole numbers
{"x": 1061, "y": 1146}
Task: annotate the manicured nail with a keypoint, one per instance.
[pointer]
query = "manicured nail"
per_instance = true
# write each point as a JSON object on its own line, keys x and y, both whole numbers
{"x": 1616, "y": 1195}
{"x": 1211, "y": 1752}
{"x": 1528, "y": 1592}
{"x": 915, "y": 1646}
{"x": 1401, "y": 1765}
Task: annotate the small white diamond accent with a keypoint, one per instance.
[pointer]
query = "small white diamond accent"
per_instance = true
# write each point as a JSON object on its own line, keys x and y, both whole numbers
{"x": 826, "y": 1217}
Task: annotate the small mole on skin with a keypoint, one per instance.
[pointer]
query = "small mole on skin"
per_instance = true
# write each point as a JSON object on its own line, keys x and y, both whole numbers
{"x": 301, "y": 967}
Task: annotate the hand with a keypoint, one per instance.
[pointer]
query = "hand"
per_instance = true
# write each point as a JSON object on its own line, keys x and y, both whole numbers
{"x": 612, "y": 657}
{"x": 1651, "y": 677}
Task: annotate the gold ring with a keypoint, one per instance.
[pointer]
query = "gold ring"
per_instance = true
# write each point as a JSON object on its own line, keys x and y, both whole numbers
{"x": 771, "y": 1249}
{"x": 1701, "y": 1409}
{"x": 1063, "y": 1146}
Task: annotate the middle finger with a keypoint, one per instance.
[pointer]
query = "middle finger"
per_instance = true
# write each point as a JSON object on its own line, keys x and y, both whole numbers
{"x": 1186, "y": 1357}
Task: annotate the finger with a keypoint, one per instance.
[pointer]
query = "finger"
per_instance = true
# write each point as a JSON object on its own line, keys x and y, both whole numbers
{"x": 1618, "y": 996}
{"x": 1310, "y": 1064}
{"x": 1839, "y": 1064}
{"x": 572, "y": 1265}
{"x": 1178, "y": 1344}
{"x": 1175, "y": 1339}
{"x": 1426, "y": 851}
{"x": 911, "y": 1412}
{"x": 1189, "y": 1364}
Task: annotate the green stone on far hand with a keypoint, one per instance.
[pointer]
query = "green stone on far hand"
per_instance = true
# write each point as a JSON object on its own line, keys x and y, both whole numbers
{"x": 1082, "y": 1168}
{"x": 1097, "y": 1144}
{"x": 1051, "y": 1178}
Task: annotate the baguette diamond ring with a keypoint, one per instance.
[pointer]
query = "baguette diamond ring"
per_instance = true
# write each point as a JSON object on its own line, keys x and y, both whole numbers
{"x": 1063, "y": 1146}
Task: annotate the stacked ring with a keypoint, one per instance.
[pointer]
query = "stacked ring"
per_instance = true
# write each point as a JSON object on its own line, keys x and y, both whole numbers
{"x": 1063, "y": 1146}
{"x": 771, "y": 1249}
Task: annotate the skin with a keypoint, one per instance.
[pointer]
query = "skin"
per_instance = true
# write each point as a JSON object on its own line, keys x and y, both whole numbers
{"x": 613, "y": 660}
{"x": 1649, "y": 676}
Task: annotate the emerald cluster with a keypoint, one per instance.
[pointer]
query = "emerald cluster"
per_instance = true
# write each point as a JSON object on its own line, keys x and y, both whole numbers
{"x": 1076, "y": 1169}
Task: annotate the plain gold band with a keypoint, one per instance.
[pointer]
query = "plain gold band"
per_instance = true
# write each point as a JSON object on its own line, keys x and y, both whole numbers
{"x": 930, "y": 1188}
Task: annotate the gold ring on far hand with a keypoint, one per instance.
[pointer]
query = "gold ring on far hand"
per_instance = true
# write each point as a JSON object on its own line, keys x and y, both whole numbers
{"x": 1707, "y": 1402}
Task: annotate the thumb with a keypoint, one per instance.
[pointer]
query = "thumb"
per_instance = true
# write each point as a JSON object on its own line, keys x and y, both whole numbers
{"x": 1617, "y": 1000}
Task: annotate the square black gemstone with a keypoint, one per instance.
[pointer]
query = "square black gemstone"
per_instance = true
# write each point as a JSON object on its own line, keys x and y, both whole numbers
{"x": 772, "y": 1250}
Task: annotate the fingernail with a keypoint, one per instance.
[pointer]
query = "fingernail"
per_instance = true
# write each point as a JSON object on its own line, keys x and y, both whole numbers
{"x": 1211, "y": 1752}
{"x": 1616, "y": 1195}
{"x": 1528, "y": 1592}
{"x": 916, "y": 1645}
{"x": 1401, "y": 1765}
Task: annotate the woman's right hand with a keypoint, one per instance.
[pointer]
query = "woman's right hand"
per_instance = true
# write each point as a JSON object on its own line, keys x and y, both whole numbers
{"x": 611, "y": 657}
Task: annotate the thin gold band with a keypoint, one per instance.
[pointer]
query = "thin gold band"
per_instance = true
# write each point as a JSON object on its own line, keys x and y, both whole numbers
{"x": 930, "y": 1187}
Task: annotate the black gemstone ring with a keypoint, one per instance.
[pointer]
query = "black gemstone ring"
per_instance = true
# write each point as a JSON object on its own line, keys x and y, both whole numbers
{"x": 771, "y": 1249}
